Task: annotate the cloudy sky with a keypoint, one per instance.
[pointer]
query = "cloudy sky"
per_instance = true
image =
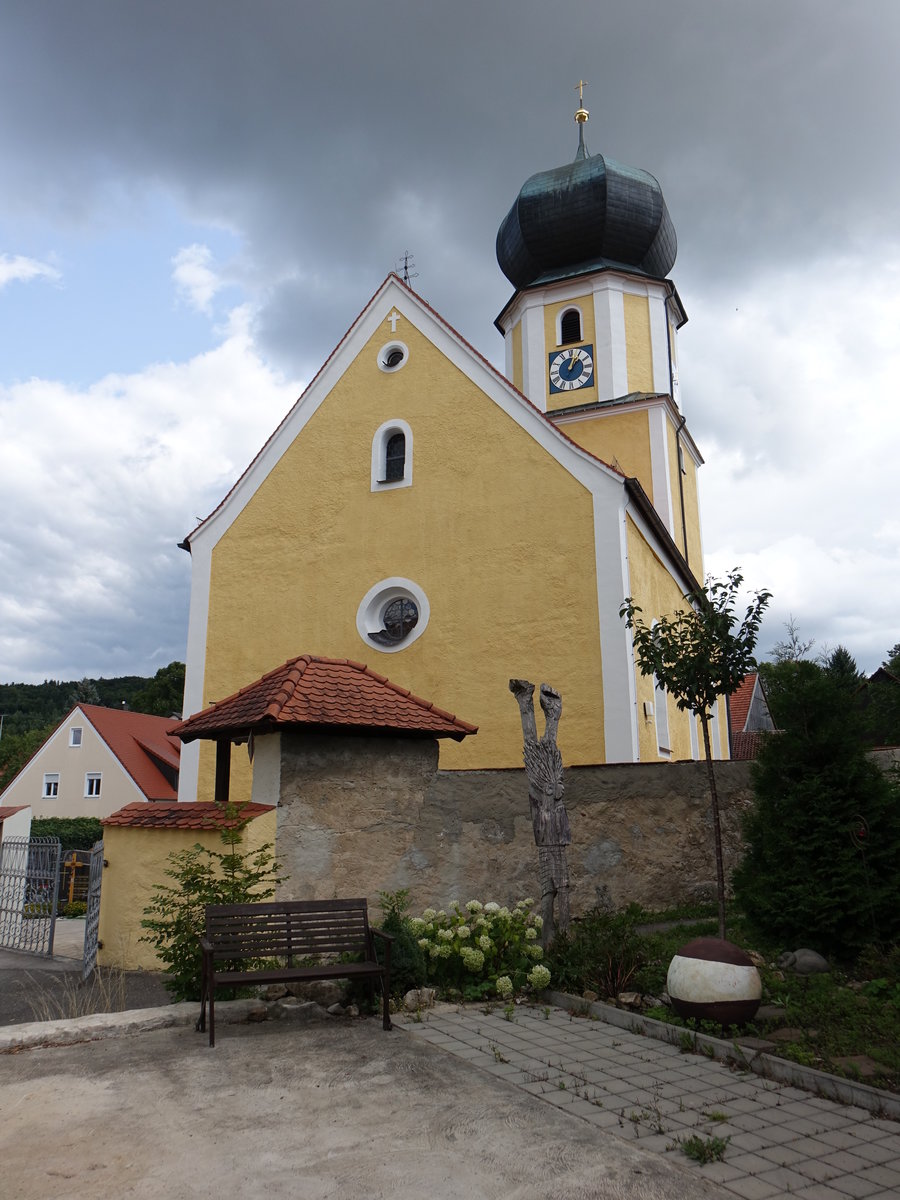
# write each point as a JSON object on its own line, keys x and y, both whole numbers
{"x": 198, "y": 197}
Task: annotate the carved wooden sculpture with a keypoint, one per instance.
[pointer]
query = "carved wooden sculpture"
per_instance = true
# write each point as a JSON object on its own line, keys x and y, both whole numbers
{"x": 543, "y": 766}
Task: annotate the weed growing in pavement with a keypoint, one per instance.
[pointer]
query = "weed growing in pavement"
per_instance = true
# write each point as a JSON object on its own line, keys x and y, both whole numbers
{"x": 703, "y": 1150}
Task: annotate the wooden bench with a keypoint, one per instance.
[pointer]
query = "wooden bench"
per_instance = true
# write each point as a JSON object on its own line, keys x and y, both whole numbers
{"x": 290, "y": 941}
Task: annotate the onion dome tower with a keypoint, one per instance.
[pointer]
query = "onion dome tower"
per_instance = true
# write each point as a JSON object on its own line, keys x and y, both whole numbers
{"x": 591, "y": 328}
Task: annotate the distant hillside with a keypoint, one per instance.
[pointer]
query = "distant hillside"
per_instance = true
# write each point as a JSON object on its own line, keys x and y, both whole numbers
{"x": 29, "y": 706}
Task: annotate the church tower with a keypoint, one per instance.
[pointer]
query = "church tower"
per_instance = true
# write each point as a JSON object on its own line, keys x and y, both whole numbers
{"x": 591, "y": 329}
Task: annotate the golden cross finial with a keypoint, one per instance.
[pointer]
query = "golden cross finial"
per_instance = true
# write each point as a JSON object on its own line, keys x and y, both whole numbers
{"x": 579, "y": 88}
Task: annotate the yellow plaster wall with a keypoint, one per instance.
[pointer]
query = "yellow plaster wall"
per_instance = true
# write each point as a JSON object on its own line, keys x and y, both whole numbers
{"x": 491, "y": 524}
{"x": 658, "y": 595}
{"x": 638, "y": 346}
{"x": 621, "y": 439}
{"x": 585, "y": 395}
{"x": 138, "y": 858}
{"x": 518, "y": 375}
{"x": 691, "y": 504}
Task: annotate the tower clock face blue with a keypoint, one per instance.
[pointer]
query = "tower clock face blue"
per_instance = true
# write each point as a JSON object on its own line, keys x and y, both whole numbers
{"x": 571, "y": 368}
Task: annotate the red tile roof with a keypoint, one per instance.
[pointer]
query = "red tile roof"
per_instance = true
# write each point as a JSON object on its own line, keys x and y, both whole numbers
{"x": 745, "y": 746}
{"x": 136, "y": 739}
{"x": 739, "y": 703}
{"x": 324, "y": 694}
{"x": 10, "y": 810}
{"x": 198, "y": 815}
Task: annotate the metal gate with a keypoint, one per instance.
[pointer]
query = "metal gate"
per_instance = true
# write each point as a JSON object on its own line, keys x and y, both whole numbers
{"x": 92, "y": 916}
{"x": 29, "y": 879}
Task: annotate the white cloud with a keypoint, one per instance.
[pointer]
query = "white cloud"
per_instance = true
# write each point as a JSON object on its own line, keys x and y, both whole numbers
{"x": 17, "y": 268}
{"x": 106, "y": 480}
{"x": 792, "y": 399}
{"x": 195, "y": 278}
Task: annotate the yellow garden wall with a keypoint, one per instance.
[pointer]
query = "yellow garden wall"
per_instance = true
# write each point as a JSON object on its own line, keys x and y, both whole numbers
{"x": 137, "y": 859}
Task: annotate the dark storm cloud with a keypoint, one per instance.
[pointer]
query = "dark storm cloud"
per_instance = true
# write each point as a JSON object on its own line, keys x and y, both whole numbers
{"x": 309, "y": 127}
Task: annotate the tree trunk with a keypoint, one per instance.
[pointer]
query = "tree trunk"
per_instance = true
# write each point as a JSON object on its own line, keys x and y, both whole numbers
{"x": 717, "y": 827}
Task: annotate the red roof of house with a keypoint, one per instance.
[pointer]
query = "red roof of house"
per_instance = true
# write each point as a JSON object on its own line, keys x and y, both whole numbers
{"x": 739, "y": 703}
{"x": 136, "y": 739}
{"x": 10, "y": 810}
{"x": 324, "y": 694}
{"x": 176, "y": 815}
{"x": 745, "y": 746}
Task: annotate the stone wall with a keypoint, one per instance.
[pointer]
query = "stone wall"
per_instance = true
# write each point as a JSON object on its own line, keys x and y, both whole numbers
{"x": 362, "y": 815}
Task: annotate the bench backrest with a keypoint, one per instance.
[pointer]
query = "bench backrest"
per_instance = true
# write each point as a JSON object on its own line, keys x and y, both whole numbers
{"x": 288, "y": 929}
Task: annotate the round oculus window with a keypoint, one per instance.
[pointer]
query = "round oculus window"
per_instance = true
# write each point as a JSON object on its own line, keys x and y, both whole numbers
{"x": 392, "y": 614}
{"x": 392, "y": 357}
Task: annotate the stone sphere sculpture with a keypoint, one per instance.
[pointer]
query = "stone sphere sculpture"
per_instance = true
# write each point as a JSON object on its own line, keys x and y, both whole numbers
{"x": 713, "y": 980}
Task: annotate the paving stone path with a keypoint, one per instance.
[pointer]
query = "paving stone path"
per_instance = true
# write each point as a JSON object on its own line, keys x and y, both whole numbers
{"x": 780, "y": 1140}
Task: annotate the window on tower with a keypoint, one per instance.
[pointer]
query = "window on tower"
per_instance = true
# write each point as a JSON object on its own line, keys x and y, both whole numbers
{"x": 570, "y": 327}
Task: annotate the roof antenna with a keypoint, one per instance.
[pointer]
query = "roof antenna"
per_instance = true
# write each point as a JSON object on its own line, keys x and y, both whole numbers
{"x": 581, "y": 117}
{"x": 408, "y": 264}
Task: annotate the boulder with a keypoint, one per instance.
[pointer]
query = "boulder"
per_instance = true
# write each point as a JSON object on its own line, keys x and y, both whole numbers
{"x": 418, "y": 998}
{"x": 323, "y": 991}
{"x": 804, "y": 962}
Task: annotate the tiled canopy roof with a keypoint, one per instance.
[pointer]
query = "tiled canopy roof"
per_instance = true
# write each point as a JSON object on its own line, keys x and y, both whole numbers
{"x": 10, "y": 810}
{"x": 173, "y": 815}
{"x": 323, "y": 694}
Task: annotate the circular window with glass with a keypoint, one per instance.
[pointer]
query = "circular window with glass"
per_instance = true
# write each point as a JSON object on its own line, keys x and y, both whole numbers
{"x": 392, "y": 357}
{"x": 392, "y": 614}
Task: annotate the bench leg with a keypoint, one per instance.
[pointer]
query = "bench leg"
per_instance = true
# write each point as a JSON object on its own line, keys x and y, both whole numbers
{"x": 385, "y": 1003}
{"x": 212, "y": 1014}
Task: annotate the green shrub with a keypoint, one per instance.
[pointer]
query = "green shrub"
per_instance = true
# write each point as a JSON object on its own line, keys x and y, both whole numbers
{"x": 480, "y": 950}
{"x": 823, "y": 837}
{"x": 600, "y": 952}
{"x": 74, "y": 833}
{"x": 407, "y": 959}
{"x": 175, "y": 917}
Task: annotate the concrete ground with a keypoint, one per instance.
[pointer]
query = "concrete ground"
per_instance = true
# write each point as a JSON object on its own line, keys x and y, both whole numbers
{"x": 470, "y": 1102}
{"x": 324, "y": 1110}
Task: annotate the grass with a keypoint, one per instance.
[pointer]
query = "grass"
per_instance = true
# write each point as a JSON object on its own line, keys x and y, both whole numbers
{"x": 843, "y": 1014}
{"x": 703, "y": 1150}
{"x": 103, "y": 993}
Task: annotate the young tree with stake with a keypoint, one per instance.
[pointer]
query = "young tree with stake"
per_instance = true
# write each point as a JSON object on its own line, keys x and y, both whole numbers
{"x": 698, "y": 654}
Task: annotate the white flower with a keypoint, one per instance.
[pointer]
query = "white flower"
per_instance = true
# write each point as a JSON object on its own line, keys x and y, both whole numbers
{"x": 463, "y": 931}
{"x": 473, "y": 958}
{"x": 539, "y": 977}
{"x": 485, "y": 943}
{"x": 491, "y": 907}
{"x": 446, "y": 935}
{"x": 534, "y": 950}
{"x": 504, "y": 911}
{"x": 444, "y": 951}
{"x": 474, "y": 906}
{"x": 429, "y": 914}
{"x": 417, "y": 925}
{"x": 505, "y": 987}
{"x": 454, "y": 904}
{"x": 424, "y": 944}
{"x": 530, "y": 934}
{"x": 538, "y": 922}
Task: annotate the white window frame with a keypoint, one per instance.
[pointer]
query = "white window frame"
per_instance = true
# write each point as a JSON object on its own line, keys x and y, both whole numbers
{"x": 76, "y": 735}
{"x": 92, "y": 777}
{"x": 661, "y": 715}
{"x": 50, "y": 788}
{"x": 373, "y": 604}
{"x": 383, "y": 435}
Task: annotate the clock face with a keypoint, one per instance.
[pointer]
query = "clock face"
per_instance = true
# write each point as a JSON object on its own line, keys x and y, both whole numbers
{"x": 571, "y": 368}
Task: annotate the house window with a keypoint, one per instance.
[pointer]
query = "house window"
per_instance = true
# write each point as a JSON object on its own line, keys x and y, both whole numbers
{"x": 51, "y": 785}
{"x": 570, "y": 326}
{"x": 392, "y": 451}
{"x": 75, "y": 735}
{"x": 92, "y": 784}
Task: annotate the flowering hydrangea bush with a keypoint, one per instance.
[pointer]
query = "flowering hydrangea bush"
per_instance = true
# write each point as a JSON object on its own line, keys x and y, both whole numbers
{"x": 477, "y": 949}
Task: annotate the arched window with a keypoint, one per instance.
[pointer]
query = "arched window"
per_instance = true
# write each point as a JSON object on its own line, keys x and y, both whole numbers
{"x": 394, "y": 457}
{"x": 570, "y": 326}
{"x": 392, "y": 454}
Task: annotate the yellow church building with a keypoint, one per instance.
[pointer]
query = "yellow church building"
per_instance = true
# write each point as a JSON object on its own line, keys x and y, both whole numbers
{"x": 454, "y": 527}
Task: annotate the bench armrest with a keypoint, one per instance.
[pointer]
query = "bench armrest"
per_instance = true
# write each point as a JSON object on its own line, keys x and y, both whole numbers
{"x": 388, "y": 937}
